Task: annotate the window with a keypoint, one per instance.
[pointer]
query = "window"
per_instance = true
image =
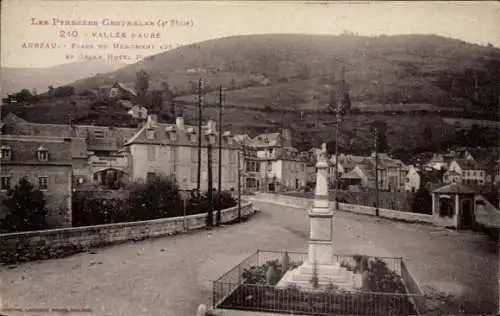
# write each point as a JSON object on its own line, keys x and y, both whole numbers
{"x": 151, "y": 153}
{"x": 150, "y": 176}
{"x": 42, "y": 154}
{"x": 194, "y": 174}
{"x": 43, "y": 183}
{"x": 194, "y": 155}
{"x": 5, "y": 183}
{"x": 5, "y": 153}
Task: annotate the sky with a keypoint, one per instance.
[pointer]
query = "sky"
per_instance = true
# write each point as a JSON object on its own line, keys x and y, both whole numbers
{"x": 23, "y": 31}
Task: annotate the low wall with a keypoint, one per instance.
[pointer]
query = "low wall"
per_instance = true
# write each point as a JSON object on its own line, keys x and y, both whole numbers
{"x": 15, "y": 247}
{"x": 354, "y": 208}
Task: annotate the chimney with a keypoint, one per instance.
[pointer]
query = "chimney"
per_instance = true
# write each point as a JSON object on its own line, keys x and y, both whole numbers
{"x": 152, "y": 121}
{"x": 179, "y": 122}
{"x": 286, "y": 136}
{"x": 211, "y": 126}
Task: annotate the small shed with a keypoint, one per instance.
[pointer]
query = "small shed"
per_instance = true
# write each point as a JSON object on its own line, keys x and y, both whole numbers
{"x": 453, "y": 206}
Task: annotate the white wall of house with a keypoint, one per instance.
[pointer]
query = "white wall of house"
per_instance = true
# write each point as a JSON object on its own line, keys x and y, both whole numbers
{"x": 182, "y": 161}
{"x": 412, "y": 181}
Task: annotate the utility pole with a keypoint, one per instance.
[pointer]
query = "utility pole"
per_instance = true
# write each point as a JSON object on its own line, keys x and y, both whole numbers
{"x": 239, "y": 186}
{"x": 376, "y": 171}
{"x": 200, "y": 100}
{"x": 340, "y": 108}
{"x": 219, "y": 179}
{"x": 210, "y": 214}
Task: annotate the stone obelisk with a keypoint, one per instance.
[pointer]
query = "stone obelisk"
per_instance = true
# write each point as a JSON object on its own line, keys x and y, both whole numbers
{"x": 320, "y": 255}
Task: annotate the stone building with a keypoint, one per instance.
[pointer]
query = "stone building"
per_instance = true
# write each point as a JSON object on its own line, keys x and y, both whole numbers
{"x": 278, "y": 165}
{"x": 172, "y": 150}
{"x": 47, "y": 163}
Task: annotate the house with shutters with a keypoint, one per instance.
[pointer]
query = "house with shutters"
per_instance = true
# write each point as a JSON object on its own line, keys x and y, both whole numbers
{"x": 282, "y": 167}
{"x": 159, "y": 149}
{"x": 465, "y": 171}
{"x": 96, "y": 150}
{"x": 47, "y": 163}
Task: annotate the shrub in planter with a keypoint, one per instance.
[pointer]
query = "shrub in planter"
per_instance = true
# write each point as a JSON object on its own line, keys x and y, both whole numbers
{"x": 285, "y": 262}
{"x": 271, "y": 275}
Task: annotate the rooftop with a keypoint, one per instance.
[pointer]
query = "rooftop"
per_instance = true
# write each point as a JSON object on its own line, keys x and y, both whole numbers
{"x": 455, "y": 188}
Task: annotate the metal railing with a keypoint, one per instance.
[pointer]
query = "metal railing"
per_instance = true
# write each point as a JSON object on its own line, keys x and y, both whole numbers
{"x": 235, "y": 289}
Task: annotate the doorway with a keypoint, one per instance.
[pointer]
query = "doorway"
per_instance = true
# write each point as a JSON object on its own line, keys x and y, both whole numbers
{"x": 467, "y": 219}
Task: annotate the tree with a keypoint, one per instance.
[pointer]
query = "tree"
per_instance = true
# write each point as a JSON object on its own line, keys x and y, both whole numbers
{"x": 51, "y": 90}
{"x": 380, "y": 132}
{"x": 157, "y": 198}
{"x": 422, "y": 202}
{"x": 26, "y": 208}
{"x": 156, "y": 100}
{"x": 24, "y": 96}
{"x": 63, "y": 91}
{"x": 141, "y": 84}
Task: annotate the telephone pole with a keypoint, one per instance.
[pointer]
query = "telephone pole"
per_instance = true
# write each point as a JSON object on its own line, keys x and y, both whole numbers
{"x": 219, "y": 179}
{"x": 200, "y": 100}
{"x": 210, "y": 214}
{"x": 339, "y": 111}
{"x": 239, "y": 184}
{"x": 376, "y": 171}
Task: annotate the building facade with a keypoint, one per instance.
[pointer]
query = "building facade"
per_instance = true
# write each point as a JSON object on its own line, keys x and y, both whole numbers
{"x": 46, "y": 162}
{"x": 280, "y": 166}
{"x": 172, "y": 150}
{"x": 91, "y": 146}
{"x": 465, "y": 171}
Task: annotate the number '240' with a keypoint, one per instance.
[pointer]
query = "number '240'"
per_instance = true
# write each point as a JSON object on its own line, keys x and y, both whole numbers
{"x": 65, "y": 34}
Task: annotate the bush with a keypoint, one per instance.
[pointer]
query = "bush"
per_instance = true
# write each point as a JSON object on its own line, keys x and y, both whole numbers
{"x": 422, "y": 202}
{"x": 158, "y": 198}
{"x": 26, "y": 208}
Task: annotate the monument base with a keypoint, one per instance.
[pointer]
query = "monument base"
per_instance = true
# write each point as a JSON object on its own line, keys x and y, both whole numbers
{"x": 328, "y": 275}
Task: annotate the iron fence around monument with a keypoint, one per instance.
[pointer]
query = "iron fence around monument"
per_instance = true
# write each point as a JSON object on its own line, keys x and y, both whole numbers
{"x": 239, "y": 289}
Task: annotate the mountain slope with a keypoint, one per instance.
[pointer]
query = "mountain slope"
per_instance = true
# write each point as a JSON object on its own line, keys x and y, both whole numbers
{"x": 15, "y": 79}
{"x": 388, "y": 69}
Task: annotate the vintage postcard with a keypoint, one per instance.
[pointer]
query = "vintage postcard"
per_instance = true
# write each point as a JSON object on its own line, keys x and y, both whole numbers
{"x": 249, "y": 158}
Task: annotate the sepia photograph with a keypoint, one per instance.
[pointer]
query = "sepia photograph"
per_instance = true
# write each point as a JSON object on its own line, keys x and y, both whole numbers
{"x": 239, "y": 158}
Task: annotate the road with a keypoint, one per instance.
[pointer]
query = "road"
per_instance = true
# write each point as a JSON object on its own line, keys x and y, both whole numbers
{"x": 172, "y": 275}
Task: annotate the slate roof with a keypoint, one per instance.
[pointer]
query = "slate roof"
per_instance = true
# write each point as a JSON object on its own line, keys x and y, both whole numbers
{"x": 100, "y": 138}
{"x": 181, "y": 139}
{"x": 466, "y": 164}
{"x": 24, "y": 150}
{"x": 351, "y": 175}
{"x": 243, "y": 139}
{"x": 290, "y": 154}
{"x": 267, "y": 140}
{"x": 455, "y": 188}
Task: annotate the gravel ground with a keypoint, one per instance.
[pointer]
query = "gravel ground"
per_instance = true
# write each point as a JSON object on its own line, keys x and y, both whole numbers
{"x": 172, "y": 275}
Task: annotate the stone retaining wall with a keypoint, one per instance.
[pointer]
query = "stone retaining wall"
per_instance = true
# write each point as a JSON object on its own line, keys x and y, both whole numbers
{"x": 354, "y": 208}
{"x": 52, "y": 243}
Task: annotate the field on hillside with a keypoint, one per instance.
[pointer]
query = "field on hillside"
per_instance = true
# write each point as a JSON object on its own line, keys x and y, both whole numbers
{"x": 292, "y": 71}
{"x": 404, "y": 132}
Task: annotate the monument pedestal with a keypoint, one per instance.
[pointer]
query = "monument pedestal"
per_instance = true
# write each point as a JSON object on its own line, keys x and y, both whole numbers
{"x": 333, "y": 274}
